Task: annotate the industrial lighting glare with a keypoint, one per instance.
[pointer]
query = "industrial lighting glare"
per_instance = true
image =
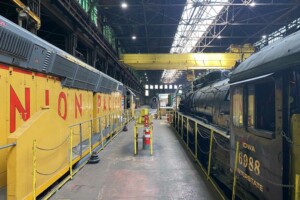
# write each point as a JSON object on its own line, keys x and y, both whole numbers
{"x": 133, "y": 37}
{"x": 124, "y": 5}
{"x": 264, "y": 37}
{"x": 252, "y": 4}
{"x": 219, "y": 37}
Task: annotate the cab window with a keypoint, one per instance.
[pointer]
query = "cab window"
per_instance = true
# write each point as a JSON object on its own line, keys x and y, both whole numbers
{"x": 237, "y": 105}
{"x": 261, "y": 106}
{"x": 294, "y": 98}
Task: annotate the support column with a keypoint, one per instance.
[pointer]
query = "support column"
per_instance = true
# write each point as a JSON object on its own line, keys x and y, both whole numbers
{"x": 71, "y": 43}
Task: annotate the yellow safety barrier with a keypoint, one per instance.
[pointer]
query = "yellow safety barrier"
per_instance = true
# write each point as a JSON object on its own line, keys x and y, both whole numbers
{"x": 235, "y": 168}
{"x": 81, "y": 142}
{"x": 140, "y": 124}
{"x": 178, "y": 122}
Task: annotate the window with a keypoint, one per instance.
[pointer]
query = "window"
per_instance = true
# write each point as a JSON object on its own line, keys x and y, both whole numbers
{"x": 175, "y": 86}
{"x": 146, "y": 93}
{"x": 264, "y": 102}
{"x": 251, "y": 106}
{"x": 156, "y": 87}
{"x": 146, "y": 87}
{"x": 180, "y": 91}
{"x": 161, "y": 87}
{"x": 294, "y": 97}
{"x": 237, "y": 103}
{"x": 151, "y": 87}
{"x": 170, "y": 86}
{"x": 166, "y": 86}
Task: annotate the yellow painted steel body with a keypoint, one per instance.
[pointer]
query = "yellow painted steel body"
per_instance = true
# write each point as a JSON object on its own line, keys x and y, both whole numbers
{"x": 183, "y": 61}
{"x": 36, "y": 107}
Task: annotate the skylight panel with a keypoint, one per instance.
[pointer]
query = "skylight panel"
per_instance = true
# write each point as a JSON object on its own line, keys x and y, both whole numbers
{"x": 195, "y": 20}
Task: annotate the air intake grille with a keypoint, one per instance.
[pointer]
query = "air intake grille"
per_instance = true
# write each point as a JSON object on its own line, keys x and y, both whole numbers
{"x": 13, "y": 44}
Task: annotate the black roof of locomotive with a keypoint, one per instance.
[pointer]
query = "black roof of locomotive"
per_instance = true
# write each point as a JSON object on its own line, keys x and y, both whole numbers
{"x": 280, "y": 55}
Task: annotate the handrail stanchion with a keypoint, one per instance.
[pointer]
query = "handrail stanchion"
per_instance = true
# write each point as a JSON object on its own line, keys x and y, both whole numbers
{"x": 210, "y": 153}
{"x": 187, "y": 132}
{"x": 134, "y": 139}
{"x": 101, "y": 132}
{"x": 151, "y": 142}
{"x": 80, "y": 126}
{"x": 90, "y": 138}
{"x": 34, "y": 170}
{"x": 181, "y": 126}
{"x": 71, "y": 154}
{"x": 196, "y": 140}
{"x": 235, "y": 169}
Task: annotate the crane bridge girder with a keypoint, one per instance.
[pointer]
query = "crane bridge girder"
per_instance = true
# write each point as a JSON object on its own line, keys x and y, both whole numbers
{"x": 185, "y": 61}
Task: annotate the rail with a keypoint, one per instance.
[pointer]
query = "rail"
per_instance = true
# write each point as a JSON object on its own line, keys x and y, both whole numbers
{"x": 8, "y": 145}
{"x": 202, "y": 140}
{"x": 82, "y": 139}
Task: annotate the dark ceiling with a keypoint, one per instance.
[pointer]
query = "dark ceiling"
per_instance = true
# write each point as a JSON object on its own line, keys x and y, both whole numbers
{"x": 154, "y": 22}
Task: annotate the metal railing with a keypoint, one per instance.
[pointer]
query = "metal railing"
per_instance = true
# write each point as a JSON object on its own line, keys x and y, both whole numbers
{"x": 81, "y": 140}
{"x": 8, "y": 145}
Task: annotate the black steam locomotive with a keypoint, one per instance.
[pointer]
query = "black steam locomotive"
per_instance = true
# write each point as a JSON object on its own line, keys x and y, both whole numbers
{"x": 260, "y": 106}
{"x": 209, "y": 99}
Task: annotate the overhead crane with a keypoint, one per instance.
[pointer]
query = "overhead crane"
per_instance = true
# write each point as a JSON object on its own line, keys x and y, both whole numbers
{"x": 186, "y": 61}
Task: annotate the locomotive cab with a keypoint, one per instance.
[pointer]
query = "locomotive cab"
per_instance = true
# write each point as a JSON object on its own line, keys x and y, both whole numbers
{"x": 265, "y": 122}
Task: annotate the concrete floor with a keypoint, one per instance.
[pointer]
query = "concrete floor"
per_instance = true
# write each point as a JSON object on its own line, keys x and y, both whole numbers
{"x": 168, "y": 174}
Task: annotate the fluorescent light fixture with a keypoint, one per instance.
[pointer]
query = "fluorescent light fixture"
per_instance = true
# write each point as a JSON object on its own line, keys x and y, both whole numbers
{"x": 133, "y": 37}
{"x": 124, "y": 5}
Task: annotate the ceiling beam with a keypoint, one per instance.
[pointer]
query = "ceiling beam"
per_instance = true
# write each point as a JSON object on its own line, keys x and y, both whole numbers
{"x": 202, "y": 4}
{"x": 213, "y": 24}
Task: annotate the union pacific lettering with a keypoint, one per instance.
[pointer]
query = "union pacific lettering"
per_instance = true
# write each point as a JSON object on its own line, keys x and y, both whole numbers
{"x": 23, "y": 108}
{"x": 68, "y": 103}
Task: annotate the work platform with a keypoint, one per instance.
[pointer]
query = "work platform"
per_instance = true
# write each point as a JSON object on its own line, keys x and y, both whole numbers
{"x": 169, "y": 174}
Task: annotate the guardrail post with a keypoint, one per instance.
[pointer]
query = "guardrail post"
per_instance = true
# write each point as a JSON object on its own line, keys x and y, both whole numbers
{"x": 151, "y": 142}
{"x": 101, "y": 135}
{"x": 134, "y": 138}
{"x": 181, "y": 132}
{"x": 90, "y": 138}
{"x": 210, "y": 153}
{"x": 100, "y": 127}
{"x": 109, "y": 123}
{"x": 196, "y": 141}
{"x": 187, "y": 132}
{"x": 80, "y": 127}
{"x": 71, "y": 154}
{"x": 178, "y": 123}
{"x": 235, "y": 169}
{"x": 34, "y": 170}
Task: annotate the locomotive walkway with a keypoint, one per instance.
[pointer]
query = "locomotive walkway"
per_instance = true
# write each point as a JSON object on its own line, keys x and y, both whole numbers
{"x": 168, "y": 174}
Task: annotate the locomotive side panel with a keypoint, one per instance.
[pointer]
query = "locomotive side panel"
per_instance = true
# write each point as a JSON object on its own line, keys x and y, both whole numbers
{"x": 260, "y": 156}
